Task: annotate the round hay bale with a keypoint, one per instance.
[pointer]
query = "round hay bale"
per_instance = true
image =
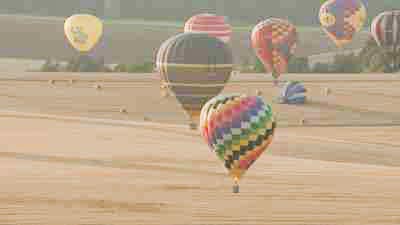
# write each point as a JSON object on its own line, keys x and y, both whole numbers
{"x": 327, "y": 91}
{"x": 258, "y": 93}
{"x": 51, "y": 81}
{"x": 145, "y": 118}
{"x": 98, "y": 86}
{"x": 71, "y": 81}
{"x": 235, "y": 73}
{"x": 302, "y": 121}
{"x": 123, "y": 110}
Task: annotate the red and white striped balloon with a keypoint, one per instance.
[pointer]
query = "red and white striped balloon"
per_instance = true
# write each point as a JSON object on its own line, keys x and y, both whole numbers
{"x": 211, "y": 24}
{"x": 385, "y": 29}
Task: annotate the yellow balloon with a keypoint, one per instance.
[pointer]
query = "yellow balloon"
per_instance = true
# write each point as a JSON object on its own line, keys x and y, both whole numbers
{"x": 83, "y": 31}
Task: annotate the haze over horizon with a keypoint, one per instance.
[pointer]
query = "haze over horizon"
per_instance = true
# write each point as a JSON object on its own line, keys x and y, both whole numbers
{"x": 238, "y": 11}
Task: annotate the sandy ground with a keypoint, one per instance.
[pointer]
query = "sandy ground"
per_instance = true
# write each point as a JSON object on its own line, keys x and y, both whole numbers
{"x": 68, "y": 156}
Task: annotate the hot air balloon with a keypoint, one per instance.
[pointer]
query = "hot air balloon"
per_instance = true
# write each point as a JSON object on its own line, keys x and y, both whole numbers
{"x": 238, "y": 128}
{"x": 83, "y": 31}
{"x": 195, "y": 68}
{"x": 385, "y": 29}
{"x": 215, "y": 26}
{"x": 274, "y": 41}
{"x": 293, "y": 93}
{"x": 341, "y": 19}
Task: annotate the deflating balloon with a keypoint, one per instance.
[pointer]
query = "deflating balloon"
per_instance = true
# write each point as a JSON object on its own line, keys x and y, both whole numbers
{"x": 195, "y": 68}
{"x": 341, "y": 19}
{"x": 239, "y": 129}
{"x": 274, "y": 41}
{"x": 83, "y": 31}
{"x": 293, "y": 93}
{"x": 385, "y": 29}
{"x": 211, "y": 24}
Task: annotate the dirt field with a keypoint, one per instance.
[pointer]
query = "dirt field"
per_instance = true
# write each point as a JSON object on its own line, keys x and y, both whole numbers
{"x": 128, "y": 42}
{"x": 68, "y": 156}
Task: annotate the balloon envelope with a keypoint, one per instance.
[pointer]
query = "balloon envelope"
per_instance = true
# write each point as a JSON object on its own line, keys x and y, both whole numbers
{"x": 239, "y": 129}
{"x": 274, "y": 41}
{"x": 195, "y": 68}
{"x": 293, "y": 93}
{"x": 83, "y": 31}
{"x": 385, "y": 29}
{"x": 211, "y": 24}
{"x": 341, "y": 19}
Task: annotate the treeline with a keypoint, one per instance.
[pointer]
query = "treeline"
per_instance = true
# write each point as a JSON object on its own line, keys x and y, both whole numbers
{"x": 89, "y": 64}
{"x": 347, "y": 63}
{"x": 371, "y": 59}
{"x": 301, "y": 12}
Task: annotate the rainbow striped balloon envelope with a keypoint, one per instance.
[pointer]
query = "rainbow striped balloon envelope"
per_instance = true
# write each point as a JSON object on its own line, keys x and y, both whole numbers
{"x": 239, "y": 129}
{"x": 195, "y": 67}
{"x": 341, "y": 19}
{"x": 215, "y": 26}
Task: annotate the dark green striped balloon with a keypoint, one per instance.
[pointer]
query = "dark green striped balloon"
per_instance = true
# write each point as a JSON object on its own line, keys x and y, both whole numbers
{"x": 195, "y": 67}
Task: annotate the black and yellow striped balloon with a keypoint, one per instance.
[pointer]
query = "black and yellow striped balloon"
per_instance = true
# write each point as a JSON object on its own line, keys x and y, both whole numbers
{"x": 195, "y": 67}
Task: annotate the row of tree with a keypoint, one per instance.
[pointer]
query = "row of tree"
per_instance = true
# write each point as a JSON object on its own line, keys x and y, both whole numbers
{"x": 371, "y": 59}
{"x": 87, "y": 64}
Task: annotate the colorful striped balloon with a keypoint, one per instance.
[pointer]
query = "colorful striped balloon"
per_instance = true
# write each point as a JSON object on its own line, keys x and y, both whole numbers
{"x": 215, "y": 26}
{"x": 293, "y": 93}
{"x": 341, "y": 19}
{"x": 195, "y": 67}
{"x": 238, "y": 128}
{"x": 385, "y": 29}
{"x": 274, "y": 41}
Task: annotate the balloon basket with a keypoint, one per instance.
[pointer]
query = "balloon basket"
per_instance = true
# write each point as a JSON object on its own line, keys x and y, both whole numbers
{"x": 193, "y": 126}
{"x": 235, "y": 188}
{"x": 164, "y": 93}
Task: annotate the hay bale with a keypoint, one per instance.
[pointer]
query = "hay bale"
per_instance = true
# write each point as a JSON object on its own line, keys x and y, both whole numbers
{"x": 302, "y": 121}
{"x": 258, "y": 93}
{"x": 123, "y": 110}
{"x": 71, "y": 81}
{"x": 145, "y": 118}
{"x": 327, "y": 91}
{"x": 235, "y": 73}
{"x": 98, "y": 86}
{"x": 51, "y": 81}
